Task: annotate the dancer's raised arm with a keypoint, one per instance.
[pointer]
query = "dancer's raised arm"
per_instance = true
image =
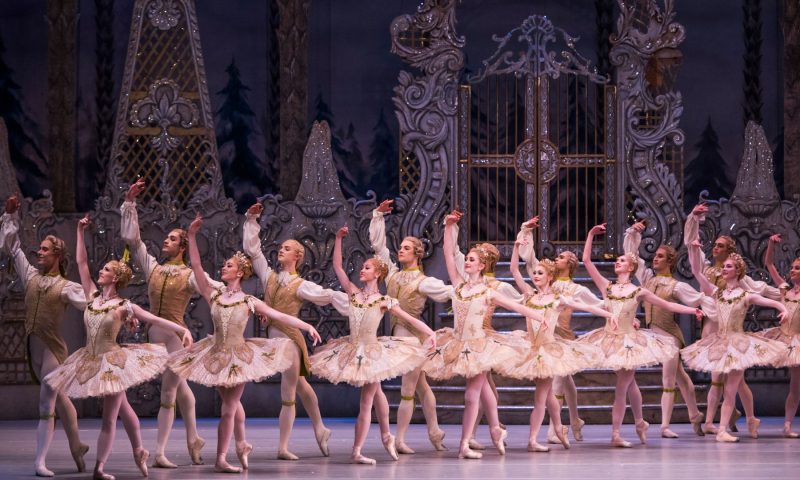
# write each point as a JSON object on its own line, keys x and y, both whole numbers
{"x": 82, "y": 258}
{"x": 338, "y": 265}
{"x": 630, "y": 244}
{"x": 514, "y": 267}
{"x": 598, "y": 279}
{"x": 769, "y": 261}
{"x": 527, "y": 249}
{"x": 696, "y": 262}
{"x": 450, "y": 248}
{"x": 203, "y": 286}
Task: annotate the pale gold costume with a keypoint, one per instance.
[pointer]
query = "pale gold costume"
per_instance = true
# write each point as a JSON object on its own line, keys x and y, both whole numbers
{"x": 362, "y": 357}
{"x": 788, "y": 334}
{"x": 104, "y": 367}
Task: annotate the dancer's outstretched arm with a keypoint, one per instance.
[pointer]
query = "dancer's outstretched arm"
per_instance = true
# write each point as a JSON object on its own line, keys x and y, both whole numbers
{"x": 502, "y": 301}
{"x": 514, "y": 267}
{"x": 203, "y": 286}
{"x": 268, "y": 312}
{"x": 338, "y": 265}
{"x": 598, "y": 279}
{"x": 451, "y": 224}
{"x": 145, "y": 316}
{"x": 769, "y": 260}
{"x": 652, "y": 298}
{"x": 696, "y": 262}
{"x": 759, "y": 300}
{"x": 82, "y": 258}
{"x": 415, "y": 323}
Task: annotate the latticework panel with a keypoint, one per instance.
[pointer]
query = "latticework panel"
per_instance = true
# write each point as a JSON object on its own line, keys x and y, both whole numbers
{"x": 410, "y": 172}
{"x": 163, "y": 54}
{"x": 13, "y": 360}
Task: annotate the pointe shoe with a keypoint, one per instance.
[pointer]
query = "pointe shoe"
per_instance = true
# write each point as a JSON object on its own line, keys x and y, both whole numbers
{"x": 437, "y": 440}
{"x": 77, "y": 456}
{"x": 734, "y": 418}
{"x": 752, "y": 426}
{"x": 563, "y": 438}
{"x": 99, "y": 474}
{"x": 361, "y": 459}
{"x": 287, "y": 455}
{"x": 577, "y": 430}
{"x": 697, "y": 424}
{"x": 723, "y": 436}
{"x": 500, "y": 441}
{"x": 243, "y": 450}
{"x": 161, "y": 461}
{"x": 710, "y": 429}
{"x": 468, "y": 453}
{"x": 535, "y": 447}
{"x": 404, "y": 449}
{"x": 194, "y": 451}
{"x": 389, "y": 445}
{"x": 475, "y": 445}
{"x": 322, "y": 442}
{"x": 641, "y": 430}
{"x": 140, "y": 456}
{"x": 44, "y": 472}
{"x": 787, "y": 431}
{"x": 619, "y": 442}
{"x": 667, "y": 433}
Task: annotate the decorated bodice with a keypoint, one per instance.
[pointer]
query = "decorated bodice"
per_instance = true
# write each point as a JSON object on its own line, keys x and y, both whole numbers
{"x": 624, "y": 308}
{"x": 792, "y": 324}
{"x": 169, "y": 291}
{"x": 663, "y": 286}
{"x": 565, "y": 287}
{"x": 230, "y": 319}
{"x": 471, "y": 313}
{"x": 283, "y": 297}
{"x": 365, "y": 318}
{"x": 538, "y": 333}
{"x": 731, "y": 311}
{"x": 404, "y": 286}
{"x": 713, "y": 274}
{"x": 43, "y": 306}
{"x": 103, "y": 325}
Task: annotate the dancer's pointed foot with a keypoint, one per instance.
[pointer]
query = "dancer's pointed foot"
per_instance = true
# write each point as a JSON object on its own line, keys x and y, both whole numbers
{"x": 535, "y": 447}
{"x": 42, "y": 471}
{"x": 287, "y": 455}
{"x": 322, "y": 441}
{"x": 99, "y": 474}
{"x": 667, "y": 433}
{"x": 723, "y": 436}
{"x": 499, "y": 435}
{"x": 437, "y": 440}
{"x": 403, "y": 449}
{"x": 467, "y": 452}
{"x": 787, "y": 431}
{"x": 697, "y": 424}
{"x": 194, "y": 451}
{"x": 752, "y": 426}
{"x": 356, "y": 457}
{"x": 641, "y": 430}
{"x": 563, "y": 439}
{"x": 734, "y": 418}
{"x": 243, "y": 450}
{"x": 619, "y": 442}
{"x": 77, "y": 456}
{"x": 577, "y": 430}
{"x": 140, "y": 456}
{"x": 475, "y": 445}
{"x": 389, "y": 445}
{"x": 161, "y": 461}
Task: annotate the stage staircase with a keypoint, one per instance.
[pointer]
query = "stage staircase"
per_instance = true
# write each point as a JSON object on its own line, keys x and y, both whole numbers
{"x": 595, "y": 387}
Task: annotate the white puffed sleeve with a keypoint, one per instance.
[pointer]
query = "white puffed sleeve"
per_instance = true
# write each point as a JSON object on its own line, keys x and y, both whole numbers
{"x": 251, "y": 243}
{"x": 72, "y": 294}
{"x": 435, "y": 289}
{"x": 527, "y": 250}
{"x": 687, "y": 295}
{"x": 315, "y": 293}
{"x": 377, "y": 239}
{"x": 129, "y": 231}
{"x": 630, "y": 244}
{"x": 9, "y": 238}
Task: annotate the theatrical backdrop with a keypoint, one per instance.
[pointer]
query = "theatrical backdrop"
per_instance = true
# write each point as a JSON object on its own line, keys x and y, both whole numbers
{"x": 580, "y": 111}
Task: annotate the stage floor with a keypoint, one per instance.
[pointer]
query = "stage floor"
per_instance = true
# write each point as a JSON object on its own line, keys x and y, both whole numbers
{"x": 771, "y": 456}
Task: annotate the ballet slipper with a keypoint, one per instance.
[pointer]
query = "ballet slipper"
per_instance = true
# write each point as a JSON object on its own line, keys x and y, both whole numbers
{"x": 710, "y": 429}
{"x": 563, "y": 439}
{"x": 322, "y": 442}
{"x": 161, "y": 461}
{"x": 475, "y": 445}
{"x": 667, "y": 433}
{"x": 194, "y": 451}
{"x": 577, "y": 430}
{"x": 77, "y": 456}
{"x": 99, "y": 474}
{"x": 404, "y": 449}
{"x": 734, "y": 418}
{"x": 787, "y": 431}
{"x": 42, "y": 471}
{"x": 723, "y": 436}
{"x": 752, "y": 426}
{"x": 389, "y": 445}
{"x": 697, "y": 424}
{"x": 641, "y": 430}
{"x": 535, "y": 447}
{"x": 467, "y": 452}
{"x": 140, "y": 456}
{"x": 618, "y": 441}
{"x": 437, "y": 440}
{"x": 222, "y": 466}
{"x": 356, "y": 457}
{"x": 287, "y": 455}
{"x": 499, "y": 435}
{"x": 243, "y": 450}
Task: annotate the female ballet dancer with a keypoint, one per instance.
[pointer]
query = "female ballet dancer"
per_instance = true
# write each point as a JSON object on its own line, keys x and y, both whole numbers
{"x": 729, "y": 350}
{"x": 625, "y": 347}
{"x": 659, "y": 280}
{"x": 788, "y": 333}
{"x": 363, "y": 359}
{"x": 104, "y": 368}
{"x": 411, "y": 287}
{"x": 47, "y": 295}
{"x": 724, "y": 246}
{"x": 286, "y": 291}
{"x": 471, "y": 349}
{"x": 566, "y": 263}
{"x": 170, "y": 286}
{"x": 226, "y": 360}
{"x": 545, "y": 356}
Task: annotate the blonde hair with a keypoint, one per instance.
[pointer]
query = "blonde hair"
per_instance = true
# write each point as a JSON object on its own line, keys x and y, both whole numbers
{"x": 183, "y": 235}
{"x": 572, "y": 261}
{"x": 671, "y": 254}
{"x": 59, "y": 249}
{"x": 418, "y": 247}
{"x": 731, "y": 243}
{"x": 633, "y": 259}
{"x": 122, "y": 271}
{"x": 244, "y": 264}
{"x": 549, "y": 267}
{"x": 381, "y": 267}
{"x": 488, "y": 255}
{"x": 298, "y": 248}
{"x": 739, "y": 264}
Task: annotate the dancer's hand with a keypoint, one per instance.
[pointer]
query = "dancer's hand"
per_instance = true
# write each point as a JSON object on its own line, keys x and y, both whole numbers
{"x": 700, "y": 209}
{"x": 614, "y": 322}
{"x": 699, "y": 314}
{"x": 255, "y": 209}
{"x": 342, "y": 232}
{"x": 12, "y": 204}
{"x": 84, "y": 222}
{"x": 775, "y": 238}
{"x": 453, "y": 217}
{"x": 639, "y": 226}
{"x": 385, "y": 207}
{"x": 134, "y": 190}
{"x": 636, "y": 323}
{"x": 187, "y": 339}
{"x": 696, "y": 244}
{"x": 597, "y": 230}
{"x": 314, "y": 334}
{"x": 194, "y": 227}
{"x": 532, "y": 223}
{"x": 432, "y": 339}
{"x": 520, "y": 242}
{"x": 783, "y": 317}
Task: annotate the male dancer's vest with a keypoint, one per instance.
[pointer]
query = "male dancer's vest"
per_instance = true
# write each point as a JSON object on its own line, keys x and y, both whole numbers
{"x": 285, "y": 300}
{"x": 169, "y": 291}
{"x": 409, "y": 298}
{"x": 43, "y": 313}
{"x": 663, "y": 288}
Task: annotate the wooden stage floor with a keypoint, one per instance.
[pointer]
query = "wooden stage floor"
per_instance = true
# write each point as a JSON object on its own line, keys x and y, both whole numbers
{"x": 689, "y": 457}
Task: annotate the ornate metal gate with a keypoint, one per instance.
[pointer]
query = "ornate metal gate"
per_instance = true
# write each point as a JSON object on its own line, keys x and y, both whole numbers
{"x": 536, "y": 136}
